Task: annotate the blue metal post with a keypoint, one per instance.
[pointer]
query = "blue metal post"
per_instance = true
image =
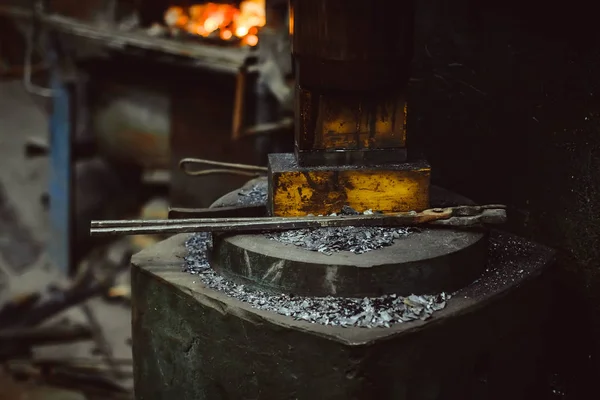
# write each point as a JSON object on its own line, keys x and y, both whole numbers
{"x": 60, "y": 190}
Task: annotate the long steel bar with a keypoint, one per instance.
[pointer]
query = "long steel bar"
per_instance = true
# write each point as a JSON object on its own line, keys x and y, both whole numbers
{"x": 463, "y": 216}
{"x": 440, "y": 213}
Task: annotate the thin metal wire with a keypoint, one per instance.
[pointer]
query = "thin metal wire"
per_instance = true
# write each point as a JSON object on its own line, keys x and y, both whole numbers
{"x": 228, "y": 168}
{"x": 224, "y": 171}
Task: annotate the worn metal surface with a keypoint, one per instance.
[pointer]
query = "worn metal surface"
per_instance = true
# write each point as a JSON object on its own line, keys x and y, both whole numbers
{"x": 350, "y": 102}
{"x": 193, "y": 342}
{"x": 350, "y": 122}
{"x": 424, "y": 262}
{"x": 351, "y": 157}
{"x": 350, "y": 86}
{"x": 295, "y": 190}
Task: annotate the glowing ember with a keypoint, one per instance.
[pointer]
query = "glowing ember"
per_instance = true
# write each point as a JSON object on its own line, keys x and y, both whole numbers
{"x": 220, "y": 20}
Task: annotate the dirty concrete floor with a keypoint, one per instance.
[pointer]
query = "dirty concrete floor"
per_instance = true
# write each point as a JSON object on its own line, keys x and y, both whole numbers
{"x": 23, "y": 182}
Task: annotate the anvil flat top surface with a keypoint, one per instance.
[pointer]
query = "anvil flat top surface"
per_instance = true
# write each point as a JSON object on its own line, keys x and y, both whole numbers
{"x": 512, "y": 261}
{"x": 428, "y": 261}
{"x": 416, "y": 246}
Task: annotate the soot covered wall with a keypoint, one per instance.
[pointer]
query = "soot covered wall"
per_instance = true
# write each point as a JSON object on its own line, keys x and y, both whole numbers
{"x": 505, "y": 102}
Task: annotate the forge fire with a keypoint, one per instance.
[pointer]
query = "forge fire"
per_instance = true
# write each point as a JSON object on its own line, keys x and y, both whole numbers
{"x": 219, "y": 21}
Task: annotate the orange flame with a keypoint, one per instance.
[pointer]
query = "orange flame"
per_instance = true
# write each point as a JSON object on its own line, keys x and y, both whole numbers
{"x": 222, "y": 20}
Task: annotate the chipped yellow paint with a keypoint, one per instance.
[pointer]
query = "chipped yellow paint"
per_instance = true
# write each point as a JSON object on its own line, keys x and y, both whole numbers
{"x": 298, "y": 193}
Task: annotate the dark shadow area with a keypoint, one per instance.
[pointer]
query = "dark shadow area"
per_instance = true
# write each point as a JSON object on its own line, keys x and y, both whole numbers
{"x": 505, "y": 106}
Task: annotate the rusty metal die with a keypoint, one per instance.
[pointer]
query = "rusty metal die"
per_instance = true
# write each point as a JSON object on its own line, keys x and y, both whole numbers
{"x": 352, "y": 63}
{"x": 350, "y": 122}
{"x": 297, "y": 190}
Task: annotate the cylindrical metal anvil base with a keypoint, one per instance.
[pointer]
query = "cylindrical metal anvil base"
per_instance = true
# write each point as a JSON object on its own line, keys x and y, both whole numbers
{"x": 428, "y": 261}
{"x": 191, "y": 342}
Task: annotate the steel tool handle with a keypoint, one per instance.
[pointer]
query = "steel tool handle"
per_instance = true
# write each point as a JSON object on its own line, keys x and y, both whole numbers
{"x": 487, "y": 217}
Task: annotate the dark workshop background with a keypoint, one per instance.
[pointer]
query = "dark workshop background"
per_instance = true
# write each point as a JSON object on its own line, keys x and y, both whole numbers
{"x": 505, "y": 104}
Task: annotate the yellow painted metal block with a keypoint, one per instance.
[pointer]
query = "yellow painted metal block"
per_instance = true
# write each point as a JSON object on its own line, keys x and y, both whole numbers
{"x": 298, "y": 191}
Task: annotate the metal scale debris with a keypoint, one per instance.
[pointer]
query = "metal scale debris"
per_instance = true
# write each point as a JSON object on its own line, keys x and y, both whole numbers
{"x": 443, "y": 309}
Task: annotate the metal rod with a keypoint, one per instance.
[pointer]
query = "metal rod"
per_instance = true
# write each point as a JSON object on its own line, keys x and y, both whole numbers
{"x": 110, "y": 228}
{"x": 188, "y": 221}
{"x": 229, "y": 226}
{"x": 217, "y": 171}
{"x": 227, "y": 168}
{"x": 436, "y": 213}
{"x": 463, "y": 216}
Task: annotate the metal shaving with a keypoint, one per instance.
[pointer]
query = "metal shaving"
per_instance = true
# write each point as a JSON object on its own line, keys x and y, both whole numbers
{"x": 372, "y": 312}
{"x": 253, "y": 196}
{"x": 513, "y": 253}
{"x": 197, "y": 246}
{"x": 357, "y": 240}
{"x": 348, "y": 238}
